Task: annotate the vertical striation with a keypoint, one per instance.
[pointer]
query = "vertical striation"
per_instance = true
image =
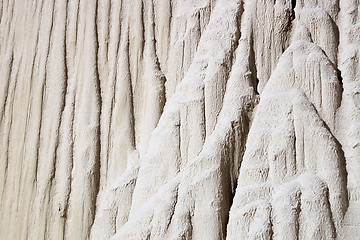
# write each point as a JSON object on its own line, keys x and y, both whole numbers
{"x": 169, "y": 119}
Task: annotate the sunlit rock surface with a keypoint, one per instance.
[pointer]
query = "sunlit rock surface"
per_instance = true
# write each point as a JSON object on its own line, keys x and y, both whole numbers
{"x": 172, "y": 119}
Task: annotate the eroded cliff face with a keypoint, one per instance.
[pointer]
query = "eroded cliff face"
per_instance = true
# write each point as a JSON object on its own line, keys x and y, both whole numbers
{"x": 170, "y": 119}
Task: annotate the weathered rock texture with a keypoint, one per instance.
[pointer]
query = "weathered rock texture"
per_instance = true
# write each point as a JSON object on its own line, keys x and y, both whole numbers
{"x": 172, "y": 119}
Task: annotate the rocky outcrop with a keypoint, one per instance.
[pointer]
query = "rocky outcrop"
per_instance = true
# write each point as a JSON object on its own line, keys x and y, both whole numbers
{"x": 169, "y": 119}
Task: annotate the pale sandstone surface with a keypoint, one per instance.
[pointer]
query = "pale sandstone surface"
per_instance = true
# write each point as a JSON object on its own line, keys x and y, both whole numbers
{"x": 172, "y": 119}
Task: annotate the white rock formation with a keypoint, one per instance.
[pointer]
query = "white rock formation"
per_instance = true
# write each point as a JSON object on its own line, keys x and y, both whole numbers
{"x": 170, "y": 119}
